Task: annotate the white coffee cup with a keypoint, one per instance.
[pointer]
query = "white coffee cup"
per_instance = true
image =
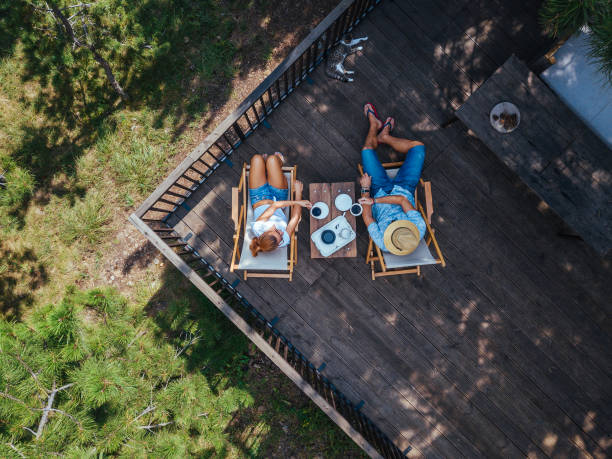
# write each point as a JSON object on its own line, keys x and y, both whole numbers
{"x": 319, "y": 210}
{"x": 358, "y": 212}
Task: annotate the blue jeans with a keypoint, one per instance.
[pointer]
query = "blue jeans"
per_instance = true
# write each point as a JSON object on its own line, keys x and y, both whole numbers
{"x": 407, "y": 176}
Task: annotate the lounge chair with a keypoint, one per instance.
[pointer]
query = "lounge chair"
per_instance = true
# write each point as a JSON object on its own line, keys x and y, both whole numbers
{"x": 278, "y": 263}
{"x": 391, "y": 264}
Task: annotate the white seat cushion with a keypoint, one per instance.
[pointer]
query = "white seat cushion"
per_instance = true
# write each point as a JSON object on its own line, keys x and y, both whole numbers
{"x": 277, "y": 260}
{"x": 421, "y": 256}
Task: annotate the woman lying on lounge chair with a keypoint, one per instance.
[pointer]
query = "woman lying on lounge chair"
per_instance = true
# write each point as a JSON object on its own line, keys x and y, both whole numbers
{"x": 269, "y": 192}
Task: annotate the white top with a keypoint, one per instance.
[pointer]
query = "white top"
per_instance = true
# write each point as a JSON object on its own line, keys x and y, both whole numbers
{"x": 278, "y": 220}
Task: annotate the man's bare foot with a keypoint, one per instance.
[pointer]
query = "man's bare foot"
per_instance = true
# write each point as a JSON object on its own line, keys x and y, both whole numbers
{"x": 370, "y": 114}
{"x": 387, "y": 128}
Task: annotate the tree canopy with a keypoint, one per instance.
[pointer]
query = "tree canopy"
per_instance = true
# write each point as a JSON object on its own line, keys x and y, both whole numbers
{"x": 562, "y": 18}
{"x": 93, "y": 375}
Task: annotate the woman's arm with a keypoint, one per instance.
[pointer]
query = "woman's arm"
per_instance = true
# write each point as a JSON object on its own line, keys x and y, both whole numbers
{"x": 296, "y": 208}
{"x": 279, "y": 205}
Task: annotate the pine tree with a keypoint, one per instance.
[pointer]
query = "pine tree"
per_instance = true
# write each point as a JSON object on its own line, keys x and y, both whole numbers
{"x": 94, "y": 375}
{"x": 562, "y": 18}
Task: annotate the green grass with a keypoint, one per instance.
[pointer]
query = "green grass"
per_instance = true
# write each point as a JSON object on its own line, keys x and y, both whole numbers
{"x": 87, "y": 220}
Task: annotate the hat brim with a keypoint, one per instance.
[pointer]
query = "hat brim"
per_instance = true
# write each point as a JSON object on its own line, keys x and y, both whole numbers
{"x": 389, "y": 232}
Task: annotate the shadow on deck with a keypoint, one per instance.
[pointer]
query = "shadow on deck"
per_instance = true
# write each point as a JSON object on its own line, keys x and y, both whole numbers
{"x": 506, "y": 351}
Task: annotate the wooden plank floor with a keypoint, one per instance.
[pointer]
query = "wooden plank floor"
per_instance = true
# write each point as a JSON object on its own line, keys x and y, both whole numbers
{"x": 506, "y": 351}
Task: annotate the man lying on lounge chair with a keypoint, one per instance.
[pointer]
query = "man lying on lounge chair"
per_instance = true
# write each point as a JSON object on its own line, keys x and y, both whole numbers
{"x": 389, "y": 209}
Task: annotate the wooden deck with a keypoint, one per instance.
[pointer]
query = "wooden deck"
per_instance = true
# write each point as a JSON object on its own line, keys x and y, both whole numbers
{"x": 506, "y": 352}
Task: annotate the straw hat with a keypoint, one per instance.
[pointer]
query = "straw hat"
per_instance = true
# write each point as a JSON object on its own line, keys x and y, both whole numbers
{"x": 401, "y": 237}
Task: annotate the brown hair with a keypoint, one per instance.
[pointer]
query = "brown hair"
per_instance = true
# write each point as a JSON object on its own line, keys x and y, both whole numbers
{"x": 263, "y": 243}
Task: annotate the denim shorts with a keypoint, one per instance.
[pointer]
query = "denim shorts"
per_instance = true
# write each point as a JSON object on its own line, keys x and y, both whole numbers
{"x": 267, "y": 191}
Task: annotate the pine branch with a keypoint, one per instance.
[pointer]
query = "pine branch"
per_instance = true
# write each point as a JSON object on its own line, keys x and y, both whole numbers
{"x": 193, "y": 339}
{"x": 55, "y": 410}
{"x": 25, "y": 365}
{"x": 64, "y": 387}
{"x": 138, "y": 335}
{"x": 80, "y": 5}
{"x": 50, "y": 408}
{"x": 15, "y": 399}
{"x": 59, "y": 16}
{"x": 148, "y": 409}
{"x": 31, "y": 431}
{"x": 45, "y": 410}
{"x": 14, "y": 448}
{"x": 45, "y": 416}
{"x": 149, "y": 427}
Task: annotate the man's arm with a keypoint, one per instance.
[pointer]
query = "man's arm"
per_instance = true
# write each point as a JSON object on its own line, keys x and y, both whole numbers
{"x": 366, "y": 182}
{"x": 395, "y": 199}
{"x": 367, "y": 211}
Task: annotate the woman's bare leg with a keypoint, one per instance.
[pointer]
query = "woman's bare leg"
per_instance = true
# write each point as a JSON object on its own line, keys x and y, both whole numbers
{"x": 371, "y": 141}
{"x": 398, "y": 144}
{"x": 257, "y": 174}
{"x": 274, "y": 166}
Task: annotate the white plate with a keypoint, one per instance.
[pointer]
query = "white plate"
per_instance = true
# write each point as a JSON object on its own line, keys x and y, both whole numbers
{"x": 510, "y": 109}
{"x": 324, "y": 210}
{"x": 343, "y": 202}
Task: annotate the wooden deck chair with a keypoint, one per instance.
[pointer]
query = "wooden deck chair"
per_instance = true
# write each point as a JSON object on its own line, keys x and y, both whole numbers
{"x": 278, "y": 263}
{"x": 391, "y": 264}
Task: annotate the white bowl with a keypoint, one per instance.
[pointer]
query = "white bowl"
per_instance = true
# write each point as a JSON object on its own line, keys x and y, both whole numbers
{"x": 343, "y": 202}
{"x": 324, "y": 210}
{"x": 510, "y": 109}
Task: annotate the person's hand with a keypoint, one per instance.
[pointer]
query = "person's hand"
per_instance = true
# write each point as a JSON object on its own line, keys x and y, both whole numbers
{"x": 299, "y": 187}
{"x": 366, "y": 201}
{"x": 365, "y": 180}
{"x": 305, "y": 203}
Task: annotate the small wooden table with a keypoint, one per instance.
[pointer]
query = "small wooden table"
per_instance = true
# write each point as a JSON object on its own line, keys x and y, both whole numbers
{"x": 327, "y": 192}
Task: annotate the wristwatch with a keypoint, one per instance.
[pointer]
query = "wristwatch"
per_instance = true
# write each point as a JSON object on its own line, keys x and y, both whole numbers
{"x": 365, "y": 190}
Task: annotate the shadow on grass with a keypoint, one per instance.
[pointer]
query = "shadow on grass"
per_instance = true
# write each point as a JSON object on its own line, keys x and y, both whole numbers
{"x": 177, "y": 59}
{"x": 18, "y": 267}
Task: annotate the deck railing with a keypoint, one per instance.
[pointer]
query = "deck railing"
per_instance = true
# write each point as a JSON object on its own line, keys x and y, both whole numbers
{"x": 150, "y": 218}
{"x": 283, "y": 346}
{"x": 253, "y": 111}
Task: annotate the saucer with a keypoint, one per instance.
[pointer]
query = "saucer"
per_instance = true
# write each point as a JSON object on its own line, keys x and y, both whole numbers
{"x": 324, "y": 210}
{"x": 343, "y": 202}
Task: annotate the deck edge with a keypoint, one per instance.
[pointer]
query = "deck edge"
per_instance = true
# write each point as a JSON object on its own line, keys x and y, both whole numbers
{"x": 250, "y": 333}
